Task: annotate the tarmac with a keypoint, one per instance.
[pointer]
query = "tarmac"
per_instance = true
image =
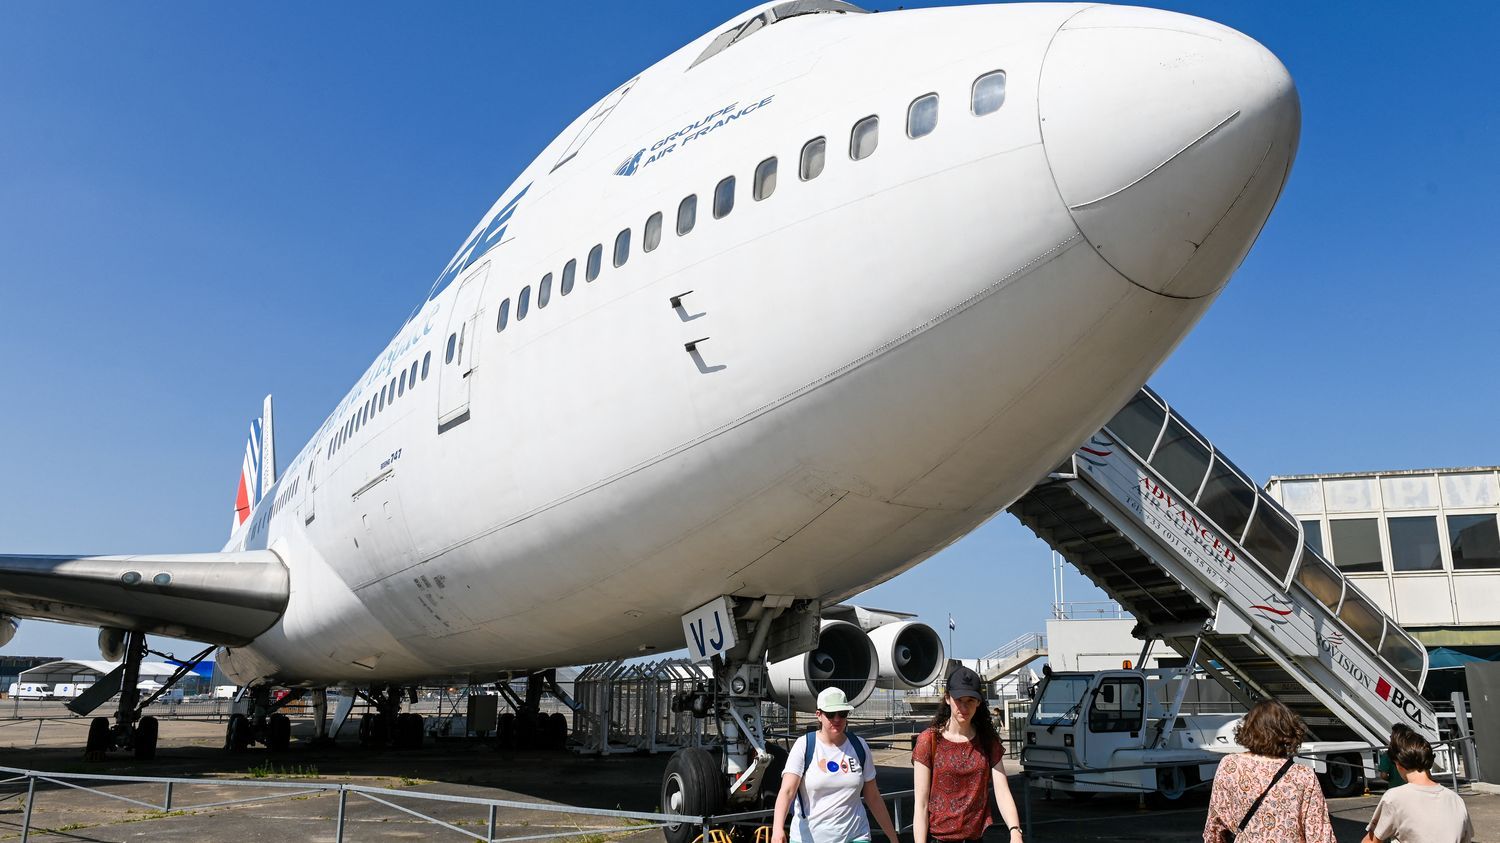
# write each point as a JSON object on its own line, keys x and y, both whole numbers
{"x": 193, "y": 749}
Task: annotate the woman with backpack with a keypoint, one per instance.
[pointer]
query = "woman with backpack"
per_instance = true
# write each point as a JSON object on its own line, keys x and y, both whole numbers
{"x": 1261, "y": 795}
{"x": 827, "y": 772}
{"x": 956, "y": 762}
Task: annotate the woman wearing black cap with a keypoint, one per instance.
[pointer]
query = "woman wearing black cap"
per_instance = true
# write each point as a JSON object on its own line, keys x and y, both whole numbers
{"x": 956, "y": 761}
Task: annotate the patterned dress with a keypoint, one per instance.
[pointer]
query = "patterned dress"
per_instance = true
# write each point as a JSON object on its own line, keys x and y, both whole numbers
{"x": 1293, "y": 812}
{"x": 958, "y": 806}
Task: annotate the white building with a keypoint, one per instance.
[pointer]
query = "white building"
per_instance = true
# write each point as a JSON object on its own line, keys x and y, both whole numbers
{"x": 1424, "y": 545}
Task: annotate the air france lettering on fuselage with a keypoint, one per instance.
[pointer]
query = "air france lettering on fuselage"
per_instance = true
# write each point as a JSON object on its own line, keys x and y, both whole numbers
{"x": 478, "y": 246}
{"x": 689, "y": 133}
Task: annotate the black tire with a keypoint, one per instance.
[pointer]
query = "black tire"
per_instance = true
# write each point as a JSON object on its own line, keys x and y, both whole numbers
{"x": 279, "y": 733}
{"x": 692, "y": 786}
{"x": 408, "y": 731}
{"x": 146, "y": 730}
{"x": 505, "y": 732}
{"x": 1345, "y": 776}
{"x": 557, "y": 730}
{"x": 1171, "y": 788}
{"x": 526, "y": 730}
{"x": 237, "y": 733}
{"x": 100, "y": 740}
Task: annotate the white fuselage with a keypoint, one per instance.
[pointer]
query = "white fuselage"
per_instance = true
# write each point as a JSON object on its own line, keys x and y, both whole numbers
{"x": 886, "y": 354}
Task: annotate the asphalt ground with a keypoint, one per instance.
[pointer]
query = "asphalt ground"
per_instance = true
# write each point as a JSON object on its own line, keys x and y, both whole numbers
{"x": 192, "y": 749}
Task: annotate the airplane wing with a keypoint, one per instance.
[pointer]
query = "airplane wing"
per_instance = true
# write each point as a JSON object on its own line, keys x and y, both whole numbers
{"x": 219, "y": 598}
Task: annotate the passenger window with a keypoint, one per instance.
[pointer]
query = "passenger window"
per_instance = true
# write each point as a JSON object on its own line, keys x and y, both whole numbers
{"x": 596, "y": 257}
{"x": 622, "y": 248}
{"x": 523, "y": 303}
{"x": 921, "y": 117}
{"x": 569, "y": 270}
{"x": 413, "y": 377}
{"x": 651, "y": 237}
{"x": 724, "y": 198}
{"x": 765, "y": 179}
{"x": 544, "y": 290}
{"x": 864, "y": 138}
{"x": 989, "y": 93}
{"x": 401, "y": 385}
{"x": 381, "y": 402}
{"x": 392, "y": 391}
{"x": 452, "y": 344}
{"x": 687, "y": 214}
{"x": 426, "y": 358}
{"x": 503, "y": 319}
{"x": 813, "y": 153}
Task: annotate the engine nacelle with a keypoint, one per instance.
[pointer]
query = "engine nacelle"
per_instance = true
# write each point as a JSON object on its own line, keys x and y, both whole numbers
{"x": 111, "y": 644}
{"x": 8, "y": 626}
{"x": 911, "y": 654}
{"x": 844, "y": 658}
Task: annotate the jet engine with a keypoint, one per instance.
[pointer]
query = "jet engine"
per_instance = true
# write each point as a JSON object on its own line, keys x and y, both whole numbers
{"x": 911, "y": 654}
{"x": 844, "y": 658}
{"x": 8, "y": 626}
{"x": 111, "y": 644}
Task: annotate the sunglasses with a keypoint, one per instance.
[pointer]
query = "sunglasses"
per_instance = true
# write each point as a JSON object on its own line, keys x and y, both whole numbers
{"x": 835, "y": 715}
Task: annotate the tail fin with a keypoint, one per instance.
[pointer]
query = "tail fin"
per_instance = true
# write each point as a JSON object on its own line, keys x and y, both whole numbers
{"x": 257, "y": 469}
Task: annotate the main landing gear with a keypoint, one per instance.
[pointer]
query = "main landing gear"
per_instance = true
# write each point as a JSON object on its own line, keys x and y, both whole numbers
{"x": 263, "y": 723}
{"x": 131, "y": 730}
{"x": 387, "y": 725}
{"x": 526, "y": 726}
{"x": 747, "y": 772}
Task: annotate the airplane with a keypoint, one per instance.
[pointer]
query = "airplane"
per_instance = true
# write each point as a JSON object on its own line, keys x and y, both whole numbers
{"x": 671, "y": 392}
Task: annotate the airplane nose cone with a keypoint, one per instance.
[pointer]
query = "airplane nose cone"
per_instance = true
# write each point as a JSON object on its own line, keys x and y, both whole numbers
{"x": 1169, "y": 138}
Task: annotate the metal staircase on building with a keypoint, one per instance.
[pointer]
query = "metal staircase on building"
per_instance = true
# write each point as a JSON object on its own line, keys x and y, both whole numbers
{"x": 1011, "y": 657}
{"x": 1157, "y": 517}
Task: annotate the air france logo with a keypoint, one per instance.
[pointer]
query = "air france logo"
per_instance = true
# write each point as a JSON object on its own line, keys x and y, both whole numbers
{"x": 692, "y": 132}
{"x": 1275, "y": 609}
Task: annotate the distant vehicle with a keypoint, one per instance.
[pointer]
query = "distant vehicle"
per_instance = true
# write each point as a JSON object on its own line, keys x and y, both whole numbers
{"x": 68, "y": 690}
{"x": 225, "y": 692}
{"x": 29, "y": 691}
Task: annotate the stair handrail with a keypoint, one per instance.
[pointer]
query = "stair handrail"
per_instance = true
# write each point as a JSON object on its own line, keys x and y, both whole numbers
{"x": 1029, "y": 641}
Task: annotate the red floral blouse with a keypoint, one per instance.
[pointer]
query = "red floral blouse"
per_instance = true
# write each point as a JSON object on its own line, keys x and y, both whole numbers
{"x": 958, "y": 806}
{"x": 1293, "y": 812}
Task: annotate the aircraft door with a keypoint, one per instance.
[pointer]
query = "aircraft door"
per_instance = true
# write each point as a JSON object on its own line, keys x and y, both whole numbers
{"x": 459, "y": 351}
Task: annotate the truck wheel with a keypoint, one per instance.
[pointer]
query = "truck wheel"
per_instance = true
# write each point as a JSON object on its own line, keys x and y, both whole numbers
{"x": 1171, "y": 787}
{"x": 1345, "y": 776}
{"x": 692, "y": 787}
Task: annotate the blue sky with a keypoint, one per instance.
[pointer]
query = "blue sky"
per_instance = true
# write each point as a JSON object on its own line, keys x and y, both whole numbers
{"x": 202, "y": 203}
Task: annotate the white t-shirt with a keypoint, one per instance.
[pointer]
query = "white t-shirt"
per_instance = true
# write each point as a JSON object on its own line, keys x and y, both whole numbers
{"x": 831, "y": 790}
{"x": 1421, "y": 814}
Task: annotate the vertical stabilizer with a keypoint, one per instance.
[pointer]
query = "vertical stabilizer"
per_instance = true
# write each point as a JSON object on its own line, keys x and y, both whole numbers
{"x": 257, "y": 469}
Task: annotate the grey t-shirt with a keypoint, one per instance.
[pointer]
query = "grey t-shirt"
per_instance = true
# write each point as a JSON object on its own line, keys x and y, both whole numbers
{"x": 1421, "y": 814}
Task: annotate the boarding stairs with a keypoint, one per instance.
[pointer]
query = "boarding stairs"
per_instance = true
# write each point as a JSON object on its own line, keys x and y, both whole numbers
{"x": 1155, "y": 515}
{"x": 1011, "y": 657}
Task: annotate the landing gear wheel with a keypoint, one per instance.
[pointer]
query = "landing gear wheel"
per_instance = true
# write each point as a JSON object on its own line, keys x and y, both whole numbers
{"x": 237, "y": 733}
{"x": 693, "y": 786}
{"x": 557, "y": 726}
{"x": 374, "y": 730}
{"x": 145, "y": 738}
{"x": 1171, "y": 787}
{"x": 99, "y": 740}
{"x": 279, "y": 733}
{"x": 526, "y": 730}
{"x": 408, "y": 731}
{"x": 505, "y": 732}
{"x": 1345, "y": 776}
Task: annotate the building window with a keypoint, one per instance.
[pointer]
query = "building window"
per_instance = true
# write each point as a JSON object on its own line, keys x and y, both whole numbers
{"x": 523, "y": 303}
{"x": 1312, "y": 532}
{"x": 989, "y": 93}
{"x": 569, "y": 270}
{"x": 1414, "y": 543}
{"x": 921, "y": 117}
{"x": 724, "y": 198}
{"x": 502, "y": 318}
{"x": 1355, "y": 543}
{"x": 544, "y": 290}
{"x": 596, "y": 258}
{"x": 813, "y": 154}
{"x": 765, "y": 179}
{"x": 687, "y": 214}
{"x": 864, "y": 138}
{"x": 1475, "y": 541}
{"x": 622, "y": 248}
{"x": 651, "y": 236}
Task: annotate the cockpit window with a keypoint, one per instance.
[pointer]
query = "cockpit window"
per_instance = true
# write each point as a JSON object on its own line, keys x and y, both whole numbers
{"x": 774, "y": 15}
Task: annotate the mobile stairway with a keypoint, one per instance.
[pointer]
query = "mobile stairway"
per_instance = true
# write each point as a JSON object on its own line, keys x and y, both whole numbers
{"x": 1206, "y": 561}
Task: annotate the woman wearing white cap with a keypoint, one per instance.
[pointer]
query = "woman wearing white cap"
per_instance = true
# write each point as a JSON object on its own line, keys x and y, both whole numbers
{"x": 825, "y": 780}
{"x": 955, "y": 763}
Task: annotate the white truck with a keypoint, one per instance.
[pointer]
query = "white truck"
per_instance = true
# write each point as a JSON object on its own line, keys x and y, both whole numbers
{"x": 1114, "y": 719}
